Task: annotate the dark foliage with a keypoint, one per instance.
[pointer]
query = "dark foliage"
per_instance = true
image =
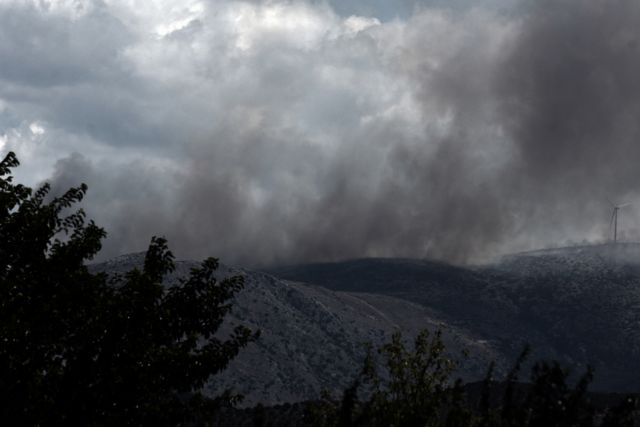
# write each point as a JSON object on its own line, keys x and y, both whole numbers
{"x": 416, "y": 390}
{"x": 78, "y": 348}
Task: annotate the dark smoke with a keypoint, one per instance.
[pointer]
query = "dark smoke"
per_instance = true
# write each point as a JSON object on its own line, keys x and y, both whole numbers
{"x": 570, "y": 103}
{"x": 541, "y": 128}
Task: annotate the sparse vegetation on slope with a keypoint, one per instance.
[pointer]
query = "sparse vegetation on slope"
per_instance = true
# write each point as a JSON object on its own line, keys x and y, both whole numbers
{"x": 579, "y": 305}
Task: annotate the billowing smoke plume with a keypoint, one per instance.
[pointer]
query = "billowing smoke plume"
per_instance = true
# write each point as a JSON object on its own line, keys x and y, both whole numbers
{"x": 300, "y": 135}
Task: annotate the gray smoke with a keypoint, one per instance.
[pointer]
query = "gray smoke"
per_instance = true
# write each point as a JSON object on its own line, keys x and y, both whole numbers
{"x": 523, "y": 126}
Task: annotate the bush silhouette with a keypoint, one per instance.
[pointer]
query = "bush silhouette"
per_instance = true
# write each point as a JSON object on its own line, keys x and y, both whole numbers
{"x": 415, "y": 388}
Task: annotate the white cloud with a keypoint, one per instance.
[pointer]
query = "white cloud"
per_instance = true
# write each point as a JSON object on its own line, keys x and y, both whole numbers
{"x": 36, "y": 128}
{"x": 296, "y": 25}
{"x": 356, "y": 24}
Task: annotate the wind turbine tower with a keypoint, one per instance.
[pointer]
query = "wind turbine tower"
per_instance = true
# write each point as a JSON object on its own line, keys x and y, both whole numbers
{"x": 614, "y": 219}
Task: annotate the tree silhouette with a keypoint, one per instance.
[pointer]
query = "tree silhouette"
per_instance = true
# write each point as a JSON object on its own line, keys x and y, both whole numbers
{"x": 86, "y": 349}
{"x": 414, "y": 388}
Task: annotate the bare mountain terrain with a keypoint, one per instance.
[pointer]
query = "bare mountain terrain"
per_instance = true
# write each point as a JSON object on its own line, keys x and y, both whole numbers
{"x": 577, "y": 305}
{"x": 313, "y": 338}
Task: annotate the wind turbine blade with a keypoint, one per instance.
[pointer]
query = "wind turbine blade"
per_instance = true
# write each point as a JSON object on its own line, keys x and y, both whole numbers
{"x": 610, "y": 202}
{"x": 624, "y": 204}
{"x": 613, "y": 214}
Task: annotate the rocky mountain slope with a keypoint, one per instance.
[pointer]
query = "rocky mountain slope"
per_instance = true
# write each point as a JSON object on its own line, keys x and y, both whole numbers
{"x": 578, "y": 305}
{"x": 312, "y": 338}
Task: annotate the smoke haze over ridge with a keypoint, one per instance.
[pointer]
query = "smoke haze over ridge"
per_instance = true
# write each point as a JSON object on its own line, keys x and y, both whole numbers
{"x": 285, "y": 131}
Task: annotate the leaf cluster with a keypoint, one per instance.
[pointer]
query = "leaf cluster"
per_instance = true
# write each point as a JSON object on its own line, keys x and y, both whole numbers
{"x": 413, "y": 388}
{"x": 88, "y": 349}
{"x": 416, "y": 389}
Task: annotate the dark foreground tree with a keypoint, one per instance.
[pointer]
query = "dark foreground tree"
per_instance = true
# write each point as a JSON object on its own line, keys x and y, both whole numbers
{"x": 415, "y": 389}
{"x": 78, "y": 348}
{"x": 407, "y": 387}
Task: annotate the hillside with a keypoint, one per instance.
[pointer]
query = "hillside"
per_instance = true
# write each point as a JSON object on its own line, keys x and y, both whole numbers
{"x": 312, "y": 338}
{"x": 580, "y": 305}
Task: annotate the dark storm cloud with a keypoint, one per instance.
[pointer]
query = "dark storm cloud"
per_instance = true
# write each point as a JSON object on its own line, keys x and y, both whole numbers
{"x": 570, "y": 102}
{"x": 563, "y": 94}
{"x": 271, "y": 132}
{"x": 571, "y": 94}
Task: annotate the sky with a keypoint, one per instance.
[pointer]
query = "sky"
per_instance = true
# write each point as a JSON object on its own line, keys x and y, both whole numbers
{"x": 279, "y": 131}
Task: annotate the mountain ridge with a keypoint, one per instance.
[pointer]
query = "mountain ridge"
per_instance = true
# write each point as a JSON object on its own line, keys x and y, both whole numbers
{"x": 579, "y": 306}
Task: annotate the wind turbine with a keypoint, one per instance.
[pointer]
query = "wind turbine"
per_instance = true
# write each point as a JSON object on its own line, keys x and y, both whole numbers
{"x": 614, "y": 218}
